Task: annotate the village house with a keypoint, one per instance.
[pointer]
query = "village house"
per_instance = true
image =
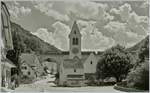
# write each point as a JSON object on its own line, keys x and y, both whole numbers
{"x": 6, "y": 45}
{"x": 30, "y": 66}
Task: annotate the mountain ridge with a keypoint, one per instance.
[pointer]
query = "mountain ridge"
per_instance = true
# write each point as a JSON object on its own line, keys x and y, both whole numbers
{"x": 26, "y": 41}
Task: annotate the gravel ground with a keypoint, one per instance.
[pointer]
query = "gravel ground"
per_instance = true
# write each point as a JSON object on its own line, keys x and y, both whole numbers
{"x": 44, "y": 86}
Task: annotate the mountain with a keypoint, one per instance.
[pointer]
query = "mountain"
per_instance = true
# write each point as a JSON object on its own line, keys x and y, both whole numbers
{"x": 138, "y": 46}
{"x": 27, "y": 42}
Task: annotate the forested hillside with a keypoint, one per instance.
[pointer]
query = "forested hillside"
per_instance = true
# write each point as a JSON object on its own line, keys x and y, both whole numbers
{"x": 27, "y": 42}
{"x": 138, "y": 46}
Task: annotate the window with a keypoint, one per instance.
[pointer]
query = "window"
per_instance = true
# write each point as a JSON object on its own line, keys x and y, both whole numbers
{"x": 74, "y": 70}
{"x": 91, "y": 62}
{"x": 74, "y": 40}
{"x": 24, "y": 67}
{"x": 29, "y": 73}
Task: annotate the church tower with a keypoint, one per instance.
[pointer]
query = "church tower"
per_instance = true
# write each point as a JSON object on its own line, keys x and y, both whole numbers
{"x": 75, "y": 42}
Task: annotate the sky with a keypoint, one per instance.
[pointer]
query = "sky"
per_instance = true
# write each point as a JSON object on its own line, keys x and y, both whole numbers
{"x": 102, "y": 24}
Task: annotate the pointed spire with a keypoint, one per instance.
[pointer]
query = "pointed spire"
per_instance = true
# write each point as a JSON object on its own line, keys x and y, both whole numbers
{"x": 75, "y": 24}
{"x": 75, "y": 28}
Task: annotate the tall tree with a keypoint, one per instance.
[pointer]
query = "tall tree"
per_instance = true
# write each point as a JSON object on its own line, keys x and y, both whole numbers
{"x": 115, "y": 62}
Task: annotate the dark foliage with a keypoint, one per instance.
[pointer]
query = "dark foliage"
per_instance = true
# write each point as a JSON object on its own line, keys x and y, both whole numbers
{"x": 28, "y": 42}
{"x": 115, "y": 62}
{"x": 139, "y": 77}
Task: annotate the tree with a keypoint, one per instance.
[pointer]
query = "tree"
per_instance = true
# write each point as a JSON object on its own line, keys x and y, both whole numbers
{"x": 139, "y": 77}
{"x": 115, "y": 62}
{"x": 144, "y": 52}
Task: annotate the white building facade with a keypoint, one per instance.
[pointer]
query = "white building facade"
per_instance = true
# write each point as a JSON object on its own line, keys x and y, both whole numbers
{"x": 77, "y": 64}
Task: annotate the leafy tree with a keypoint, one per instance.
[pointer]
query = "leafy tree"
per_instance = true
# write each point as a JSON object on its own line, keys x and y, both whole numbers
{"x": 144, "y": 51}
{"x": 115, "y": 62}
{"x": 139, "y": 77}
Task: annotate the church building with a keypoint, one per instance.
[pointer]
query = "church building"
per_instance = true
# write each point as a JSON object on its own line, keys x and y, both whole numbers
{"x": 77, "y": 65}
{"x": 74, "y": 66}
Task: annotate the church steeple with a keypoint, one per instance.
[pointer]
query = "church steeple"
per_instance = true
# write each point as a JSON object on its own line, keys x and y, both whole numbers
{"x": 75, "y": 41}
{"x": 75, "y": 29}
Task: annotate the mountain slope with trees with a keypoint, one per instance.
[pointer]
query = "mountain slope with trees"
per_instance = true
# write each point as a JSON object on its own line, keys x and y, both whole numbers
{"x": 137, "y": 46}
{"x": 28, "y": 42}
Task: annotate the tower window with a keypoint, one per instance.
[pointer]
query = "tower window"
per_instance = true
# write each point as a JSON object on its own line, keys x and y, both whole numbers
{"x": 75, "y": 41}
{"x": 91, "y": 62}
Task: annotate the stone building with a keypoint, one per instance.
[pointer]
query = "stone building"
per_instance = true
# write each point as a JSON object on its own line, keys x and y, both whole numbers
{"x": 6, "y": 45}
{"x": 30, "y": 66}
{"x": 75, "y": 65}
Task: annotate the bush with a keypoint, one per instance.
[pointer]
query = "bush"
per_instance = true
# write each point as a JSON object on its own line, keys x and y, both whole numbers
{"x": 105, "y": 83}
{"x": 27, "y": 80}
{"x": 139, "y": 78}
{"x": 91, "y": 81}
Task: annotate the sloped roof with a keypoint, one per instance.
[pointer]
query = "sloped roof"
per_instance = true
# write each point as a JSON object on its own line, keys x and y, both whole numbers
{"x": 75, "y": 26}
{"x": 83, "y": 52}
{"x": 4, "y": 60}
{"x": 28, "y": 58}
{"x": 73, "y": 63}
{"x": 2, "y": 3}
{"x": 65, "y": 52}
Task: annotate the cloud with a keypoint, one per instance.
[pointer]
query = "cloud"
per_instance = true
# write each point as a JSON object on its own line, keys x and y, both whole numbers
{"x": 87, "y": 10}
{"x": 44, "y": 35}
{"x": 16, "y": 10}
{"x": 92, "y": 38}
{"x": 123, "y": 11}
{"x": 58, "y": 37}
{"x": 130, "y": 28}
{"x": 63, "y": 11}
{"x": 25, "y": 11}
{"x": 122, "y": 34}
{"x": 47, "y": 8}
{"x": 102, "y": 24}
{"x": 61, "y": 35}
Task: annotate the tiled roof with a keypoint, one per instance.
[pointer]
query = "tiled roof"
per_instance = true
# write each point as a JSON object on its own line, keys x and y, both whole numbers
{"x": 2, "y": 3}
{"x": 65, "y": 53}
{"x": 8, "y": 61}
{"x": 83, "y": 52}
{"x": 28, "y": 58}
{"x": 73, "y": 63}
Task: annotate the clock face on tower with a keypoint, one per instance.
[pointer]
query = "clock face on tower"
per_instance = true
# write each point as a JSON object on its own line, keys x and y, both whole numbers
{"x": 75, "y": 50}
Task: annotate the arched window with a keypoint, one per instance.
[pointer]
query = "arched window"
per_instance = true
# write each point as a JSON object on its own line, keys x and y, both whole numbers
{"x": 76, "y": 41}
{"x": 91, "y": 62}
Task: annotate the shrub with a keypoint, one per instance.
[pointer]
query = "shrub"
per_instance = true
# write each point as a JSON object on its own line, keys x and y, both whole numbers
{"x": 91, "y": 81}
{"x": 139, "y": 78}
{"x": 27, "y": 80}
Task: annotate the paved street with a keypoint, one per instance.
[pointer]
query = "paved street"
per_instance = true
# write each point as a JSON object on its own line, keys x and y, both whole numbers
{"x": 44, "y": 86}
